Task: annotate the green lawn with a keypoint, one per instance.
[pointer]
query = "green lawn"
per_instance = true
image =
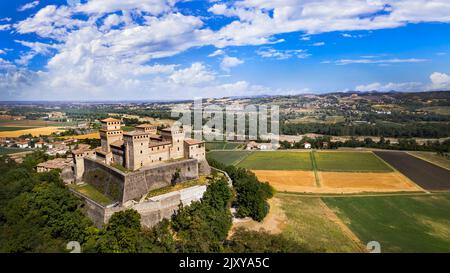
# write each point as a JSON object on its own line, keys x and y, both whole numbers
{"x": 398, "y": 223}
{"x": 93, "y": 193}
{"x": 228, "y": 157}
{"x": 277, "y": 160}
{"x": 350, "y": 162}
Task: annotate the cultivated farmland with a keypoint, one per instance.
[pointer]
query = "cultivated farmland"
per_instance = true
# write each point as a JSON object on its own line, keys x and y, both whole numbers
{"x": 34, "y": 132}
{"x": 279, "y": 160}
{"x": 223, "y": 145}
{"x": 399, "y": 223}
{"x": 228, "y": 157}
{"x": 307, "y": 221}
{"x": 349, "y": 162}
{"x": 423, "y": 173}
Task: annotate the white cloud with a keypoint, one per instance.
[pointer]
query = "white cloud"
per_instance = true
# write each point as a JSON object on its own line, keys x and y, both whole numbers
{"x": 406, "y": 87}
{"x": 50, "y": 22}
{"x": 154, "y": 7}
{"x": 5, "y": 27}
{"x": 376, "y": 61}
{"x": 2, "y": 52}
{"x": 267, "y": 52}
{"x": 229, "y": 62}
{"x": 196, "y": 74}
{"x": 259, "y": 20}
{"x": 319, "y": 44}
{"x": 36, "y": 48}
{"x": 217, "y": 53}
{"x": 439, "y": 82}
{"x": 28, "y": 6}
{"x": 106, "y": 48}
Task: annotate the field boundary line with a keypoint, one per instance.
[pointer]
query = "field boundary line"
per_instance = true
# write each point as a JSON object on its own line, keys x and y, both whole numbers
{"x": 347, "y": 195}
{"x": 242, "y": 159}
{"x": 333, "y": 217}
{"x": 407, "y": 178}
{"x": 314, "y": 167}
{"x": 429, "y": 161}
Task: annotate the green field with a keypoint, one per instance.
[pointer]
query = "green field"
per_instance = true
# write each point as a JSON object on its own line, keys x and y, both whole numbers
{"x": 308, "y": 225}
{"x": 442, "y": 110}
{"x": 223, "y": 145}
{"x": 277, "y": 160}
{"x": 7, "y": 128}
{"x": 228, "y": 157}
{"x": 349, "y": 162}
{"x": 398, "y": 223}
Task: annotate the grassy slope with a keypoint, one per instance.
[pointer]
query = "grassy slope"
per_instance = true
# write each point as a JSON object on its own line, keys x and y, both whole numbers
{"x": 399, "y": 223}
{"x": 277, "y": 161}
{"x": 349, "y": 162}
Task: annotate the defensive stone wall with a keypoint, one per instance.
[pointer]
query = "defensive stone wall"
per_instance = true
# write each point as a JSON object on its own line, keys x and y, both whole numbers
{"x": 123, "y": 187}
{"x": 152, "y": 211}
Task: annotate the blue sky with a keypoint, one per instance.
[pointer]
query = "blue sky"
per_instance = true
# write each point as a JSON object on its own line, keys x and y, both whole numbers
{"x": 169, "y": 49}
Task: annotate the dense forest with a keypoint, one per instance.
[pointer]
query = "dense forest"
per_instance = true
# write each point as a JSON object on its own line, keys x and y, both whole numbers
{"x": 39, "y": 214}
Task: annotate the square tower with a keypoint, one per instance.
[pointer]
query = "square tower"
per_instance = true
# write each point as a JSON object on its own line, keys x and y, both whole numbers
{"x": 111, "y": 132}
{"x": 148, "y": 128}
{"x": 136, "y": 149}
{"x": 176, "y": 136}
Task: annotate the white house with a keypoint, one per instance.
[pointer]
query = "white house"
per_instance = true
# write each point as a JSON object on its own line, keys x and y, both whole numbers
{"x": 307, "y": 145}
{"x": 22, "y": 144}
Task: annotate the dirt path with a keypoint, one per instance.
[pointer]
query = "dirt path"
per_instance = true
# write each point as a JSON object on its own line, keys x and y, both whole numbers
{"x": 329, "y": 213}
{"x": 273, "y": 223}
{"x": 313, "y": 195}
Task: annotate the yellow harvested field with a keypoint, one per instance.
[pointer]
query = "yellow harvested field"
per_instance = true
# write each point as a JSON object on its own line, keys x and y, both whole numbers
{"x": 86, "y": 136}
{"x": 34, "y": 131}
{"x": 346, "y": 182}
{"x": 336, "y": 182}
{"x": 291, "y": 181}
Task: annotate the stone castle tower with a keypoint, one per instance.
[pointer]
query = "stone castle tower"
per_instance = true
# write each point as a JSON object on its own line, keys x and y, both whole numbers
{"x": 176, "y": 136}
{"x": 110, "y": 132}
{"x": 136, "y": 149}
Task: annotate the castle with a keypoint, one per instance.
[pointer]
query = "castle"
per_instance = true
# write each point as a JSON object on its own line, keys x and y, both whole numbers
{"x": 129, "y": 164}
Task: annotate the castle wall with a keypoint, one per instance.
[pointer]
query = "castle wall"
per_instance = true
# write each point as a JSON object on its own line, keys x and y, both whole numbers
{"x": 123, "y": 187}
{"x": 152, "y": 211}
{"x": 159, "y": 153}
{"x": 117, "y": 155}
{"x": 104, "y": 178}
{"x": 150, "y": 178}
